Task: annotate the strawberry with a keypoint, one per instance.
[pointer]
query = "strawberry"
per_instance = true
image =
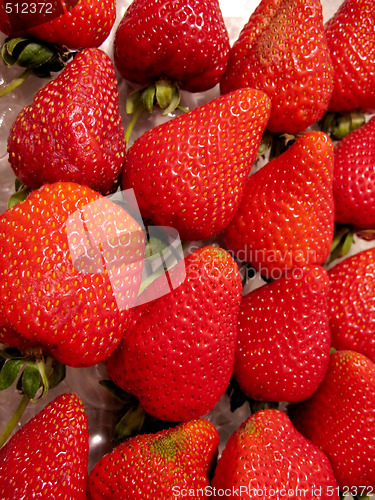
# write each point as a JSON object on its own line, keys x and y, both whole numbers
{"x": 72, "y": 24}
{"x": 351, "y": 304}
{"x": 73, "y": 130}
{"x": 350, "y": 37}
{"x": 295, "y": 227}
{"x": 177, "y": 354}
{"x": 48, "y": 456}
{"x": 354, "y": 167}
{"x": 283, "y": 338}
{"x": 190, "y": 172}
{"x": 283, "y": 52}
{"x": 268, "y": 458}
{"x": 173, "y": 461}
{"x": 340, "y": 418}
{"x": 68, "y": 306}
{"x": 182, "y": 40}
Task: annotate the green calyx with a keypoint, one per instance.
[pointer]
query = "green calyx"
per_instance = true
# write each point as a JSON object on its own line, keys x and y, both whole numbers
{"x": 342, "y": 241}
{"x": 162, "y": 94}
{"x": 339, "y": 125}
{"x": 38, "y": 58}
{"x": 33, "y": 373}
{"x": 21, "y": 192}
{"x": 132, "y": 418}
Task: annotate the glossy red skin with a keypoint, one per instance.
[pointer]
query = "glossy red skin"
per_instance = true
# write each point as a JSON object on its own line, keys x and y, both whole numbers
{"x": 283, "y": 340}
{"x": 177, "y": 353}
{"x": 183, "y": 40}
{"x": 190, "y": 172}
{"x": 84, "y": 24}
{"x": 294, "y": 227}
{"x": 283, "y": 52}
{"x": 353, "y": 178}
{"x": 340, "y": 418}
{"x": 72, "y": 131}
{"x": 48, "y": 456}
{"x": 180, "y": 457}
{"x": 45, "y": 301}
{"x": 267, "y": 453}
{"x": 352, "y": 303}
{"x": 350, "y": 36}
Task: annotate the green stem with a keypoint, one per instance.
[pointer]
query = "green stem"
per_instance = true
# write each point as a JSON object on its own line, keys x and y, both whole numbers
{"x": 15, "y": 83}
{"x": 14, "y": 420}
{"x": 137, "y": 113}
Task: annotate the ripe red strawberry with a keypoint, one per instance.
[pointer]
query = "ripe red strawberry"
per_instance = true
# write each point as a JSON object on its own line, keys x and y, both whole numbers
{"x": 48, "y": 456}
{"x": 183, "y": 40}
{"x": 354, "y": 168}
{"x": 283, "y": 341}
{"x": 351, "y": 304}
{"x": 350, "y": 37}
{"x": 282, "y": 50}
{"x": 286, "y": 217}
{"x": 68, "y": 305}
{"x": 340, "y": 418}
{"x": 72, "y": 24}
{"x": 73, "y": 130}
{"x": 173, "y": 461}
{"x": 177, "y": 353}
{"x": 267, "y": 458}
{"x": 190, "y": 172}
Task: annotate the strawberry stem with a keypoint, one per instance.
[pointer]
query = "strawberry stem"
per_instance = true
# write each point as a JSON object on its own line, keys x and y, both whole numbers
{"x": 15, "y": 83}
{"x": 14, "y": 420}
{"x": 137, "y": 113}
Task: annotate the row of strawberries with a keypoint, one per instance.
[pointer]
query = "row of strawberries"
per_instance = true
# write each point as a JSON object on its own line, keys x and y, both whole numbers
{"x": 176, "y": 354}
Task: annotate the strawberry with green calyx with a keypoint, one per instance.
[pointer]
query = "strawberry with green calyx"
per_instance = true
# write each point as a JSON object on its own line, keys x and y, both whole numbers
{"x": 351, "y": 303}
{"x": 267, "y": 457}
{"x": 158, "y": 465}
{"x": 283, "y": 52}
{"x": 39, "y": 59}
{"x": 48, "y": 456}
{"x": 283, "y": 341}
{"x": 340, "y": 418}
{"x": 73, "y": 130}
{"x": 42, "y": 36}
{"x": 68, "y": 305}
{"x": 190, "y": 172}
{"x": 182, "y": 41}
{"x": 71, "y": 24}
{"x": 353, "y": 184}
{"x": 177, "y": 353}
{"x": 350, "y": 35}
{"x": 294, "y": 227}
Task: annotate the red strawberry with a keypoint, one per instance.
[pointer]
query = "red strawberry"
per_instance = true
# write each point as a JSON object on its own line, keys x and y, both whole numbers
{"x": 189, "y": 173}
{"x": 283, "y": 338}
{"x": 352, "y": 303}
{"x": 340, "y": 418}
{"x": 71, "y": 24}
{"x": 73, "y": 130}
{"x": 286, "y": 217}
{"x": 282, "y": 51}
{"x": 183, "y": 40}
{"x": 68, "y": 305}
{"x": 48, "y": 456}
{"x": 173, "y": 461}
{"x": 268, "y": 458}
{"x": 178, "y": 350}
{"x": 350, "y": 36}
{"x": 353, "y": 185}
